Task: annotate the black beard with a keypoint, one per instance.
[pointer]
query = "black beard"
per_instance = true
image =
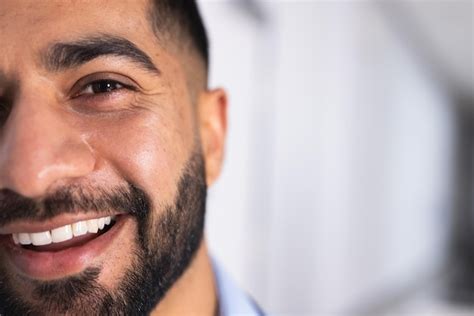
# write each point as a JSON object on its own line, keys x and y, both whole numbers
{"x": 166, "y": 247}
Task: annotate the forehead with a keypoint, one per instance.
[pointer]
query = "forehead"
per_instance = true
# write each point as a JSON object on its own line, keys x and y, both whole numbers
{"x": 27, "y": 26}
{"x": 62, "y": 14}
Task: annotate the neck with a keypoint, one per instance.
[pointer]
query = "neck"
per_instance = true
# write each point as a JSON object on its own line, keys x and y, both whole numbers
{"x": 194, "y": 293}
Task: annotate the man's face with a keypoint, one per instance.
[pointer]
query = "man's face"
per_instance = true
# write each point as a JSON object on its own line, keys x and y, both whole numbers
{"x": 98, "y": 121}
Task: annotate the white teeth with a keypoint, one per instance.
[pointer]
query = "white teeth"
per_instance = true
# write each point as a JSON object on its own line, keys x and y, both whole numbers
{"x": 92, "y": 226}
{"x": 79, "y": 228}
{"x": 101, "y": 223}
{"x": 15, "y": 239}
{"x": 24, "y": 238}
{"x": 41, "y": 239}
{"x": 61, "y": 234}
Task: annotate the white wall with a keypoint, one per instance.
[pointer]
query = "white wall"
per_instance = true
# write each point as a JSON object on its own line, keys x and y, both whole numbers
{"x": 336, "y": 186}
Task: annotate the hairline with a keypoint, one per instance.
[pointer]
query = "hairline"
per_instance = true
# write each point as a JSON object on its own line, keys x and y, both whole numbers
{"x": 174, "y": 37}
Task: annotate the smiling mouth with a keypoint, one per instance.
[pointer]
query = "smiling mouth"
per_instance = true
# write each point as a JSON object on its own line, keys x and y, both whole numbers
{"x": 68, "y": 235}
{"x": 57, "y": 252}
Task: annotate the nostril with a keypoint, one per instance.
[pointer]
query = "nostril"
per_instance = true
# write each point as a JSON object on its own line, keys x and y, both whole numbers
{"x": 5, "y": 110}
{"x": 6, "y": 105}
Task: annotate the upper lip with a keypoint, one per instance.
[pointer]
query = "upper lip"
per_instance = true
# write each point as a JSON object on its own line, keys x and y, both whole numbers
{"x": 28, "y": 226}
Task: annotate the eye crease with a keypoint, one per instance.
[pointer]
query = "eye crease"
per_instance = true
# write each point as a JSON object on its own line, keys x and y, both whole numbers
{"x": 102, "y": 92}
{"x": 102, "y": 84}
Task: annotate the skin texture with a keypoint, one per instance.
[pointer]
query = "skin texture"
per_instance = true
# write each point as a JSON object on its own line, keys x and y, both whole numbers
{"x": 57, "y": 134}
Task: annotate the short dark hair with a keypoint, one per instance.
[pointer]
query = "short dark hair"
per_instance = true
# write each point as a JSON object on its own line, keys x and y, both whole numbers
{"x": 182, "y": 21}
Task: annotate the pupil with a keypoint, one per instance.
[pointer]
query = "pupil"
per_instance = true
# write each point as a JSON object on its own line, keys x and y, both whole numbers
{"x": 103, "y": 86}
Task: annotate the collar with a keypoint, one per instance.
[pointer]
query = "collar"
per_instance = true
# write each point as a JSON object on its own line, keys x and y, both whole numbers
{"x": 232, "y": 300}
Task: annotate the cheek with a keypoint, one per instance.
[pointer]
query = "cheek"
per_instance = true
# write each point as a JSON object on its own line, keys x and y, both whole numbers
{"x": 145, "y": 150}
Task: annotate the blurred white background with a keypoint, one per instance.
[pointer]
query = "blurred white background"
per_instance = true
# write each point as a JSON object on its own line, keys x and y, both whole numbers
{"x": 337, "y": 192}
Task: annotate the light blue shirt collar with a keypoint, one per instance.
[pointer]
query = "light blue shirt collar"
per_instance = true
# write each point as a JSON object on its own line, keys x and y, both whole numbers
{"x": 232, "y": 300}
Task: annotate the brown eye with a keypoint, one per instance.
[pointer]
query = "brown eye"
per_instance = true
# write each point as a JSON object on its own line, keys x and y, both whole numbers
{"x": 102, "y": 86}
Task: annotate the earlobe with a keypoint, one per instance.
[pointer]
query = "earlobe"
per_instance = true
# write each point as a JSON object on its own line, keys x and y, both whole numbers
{"x": 212, "y": 113}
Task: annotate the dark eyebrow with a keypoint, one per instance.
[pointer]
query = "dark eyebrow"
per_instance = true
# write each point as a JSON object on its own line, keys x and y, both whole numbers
{"x": 65, "y": 55}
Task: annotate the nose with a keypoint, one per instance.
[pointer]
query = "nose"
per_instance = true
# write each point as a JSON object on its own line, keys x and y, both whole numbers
{"x": 38, "y": 149}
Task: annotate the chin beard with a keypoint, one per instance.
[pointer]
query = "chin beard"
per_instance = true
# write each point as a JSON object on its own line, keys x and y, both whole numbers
{"x": 165, "y": 248}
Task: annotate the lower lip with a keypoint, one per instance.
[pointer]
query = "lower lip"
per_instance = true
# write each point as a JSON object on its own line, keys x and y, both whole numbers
{"x": 59, "y": 264}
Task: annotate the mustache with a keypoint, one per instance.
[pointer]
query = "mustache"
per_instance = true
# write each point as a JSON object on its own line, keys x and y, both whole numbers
{"x": 74, "y": 199}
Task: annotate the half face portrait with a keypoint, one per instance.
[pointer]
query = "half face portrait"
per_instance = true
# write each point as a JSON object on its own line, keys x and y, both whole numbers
{"x": 109, "y": 138}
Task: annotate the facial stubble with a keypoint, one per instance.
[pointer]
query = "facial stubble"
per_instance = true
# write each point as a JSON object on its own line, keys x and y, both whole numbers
{"x": 166, "y": 245}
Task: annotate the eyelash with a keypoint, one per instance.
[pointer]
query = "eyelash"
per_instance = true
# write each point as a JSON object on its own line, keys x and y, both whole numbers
{"x": 110, "y": 86}
{"x": 98, "y": 93}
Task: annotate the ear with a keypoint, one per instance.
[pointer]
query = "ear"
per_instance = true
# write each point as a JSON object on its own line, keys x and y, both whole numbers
{"x": 212, "y": 115}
